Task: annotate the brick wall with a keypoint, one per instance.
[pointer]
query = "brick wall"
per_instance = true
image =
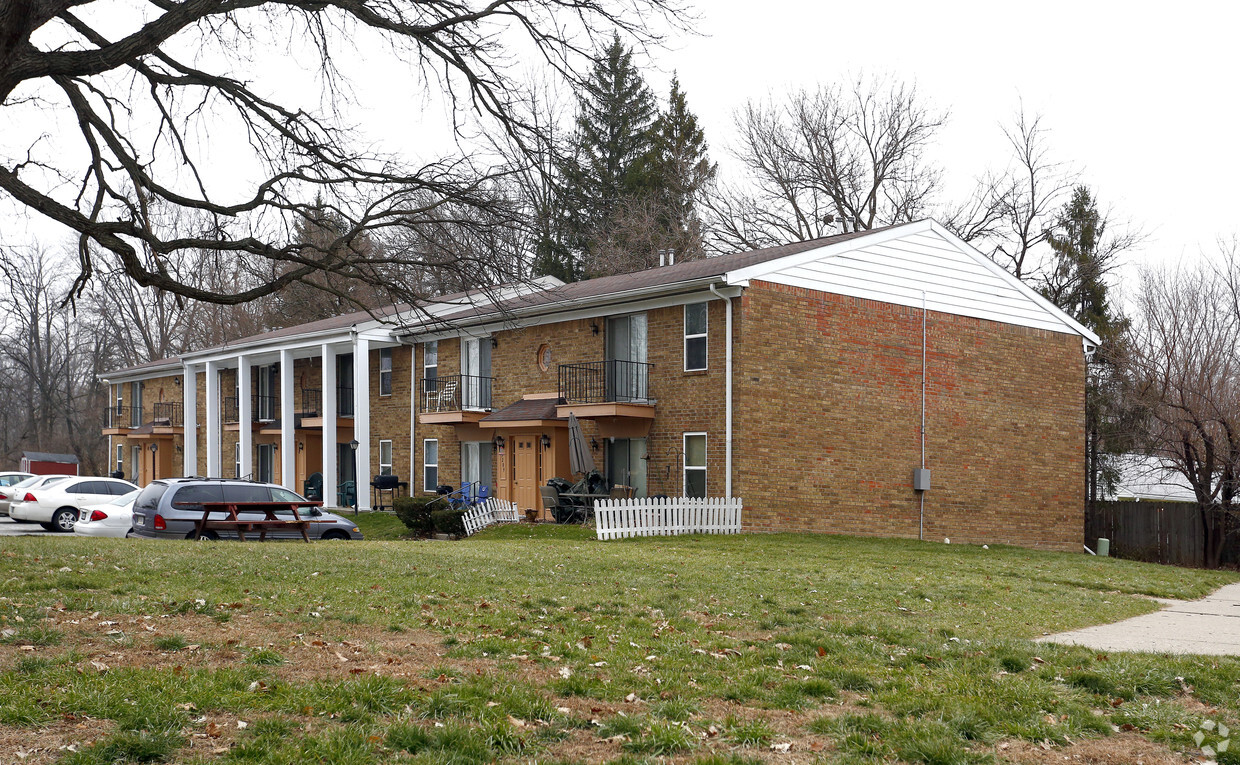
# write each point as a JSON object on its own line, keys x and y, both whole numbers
{"x": 828, "y": 395}
{"x": 687, "y": 401}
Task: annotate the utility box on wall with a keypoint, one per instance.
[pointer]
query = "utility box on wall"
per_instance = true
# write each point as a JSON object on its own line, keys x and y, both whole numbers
{"x": 921, "y": 479}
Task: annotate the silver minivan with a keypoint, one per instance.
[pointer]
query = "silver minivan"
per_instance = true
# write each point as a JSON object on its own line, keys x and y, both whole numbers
{"x": 170, "y": 509}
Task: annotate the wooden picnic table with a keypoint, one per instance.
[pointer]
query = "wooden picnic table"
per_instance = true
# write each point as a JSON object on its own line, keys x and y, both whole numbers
{"x": 269, "y": 521}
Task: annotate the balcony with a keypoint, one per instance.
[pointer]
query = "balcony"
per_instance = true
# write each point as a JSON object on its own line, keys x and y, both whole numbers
{"x": 611, "y": 390}
{"x": 118, "y": 419}
{"x": 454, "y": 399}
{"x": 169, "y": 417}
{"x": 311, "y": 403}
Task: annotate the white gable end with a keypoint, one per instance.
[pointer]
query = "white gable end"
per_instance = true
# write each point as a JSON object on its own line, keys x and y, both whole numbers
{"x": 897, "y": 264}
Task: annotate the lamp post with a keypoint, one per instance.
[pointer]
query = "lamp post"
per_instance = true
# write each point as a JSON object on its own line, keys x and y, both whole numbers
{"x": 353, "y": 446}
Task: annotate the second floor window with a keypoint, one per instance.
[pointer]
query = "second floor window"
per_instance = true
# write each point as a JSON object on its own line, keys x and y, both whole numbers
{"x": 135, "y": 404}
{"x": 695, "y": 337}
{"x": 385, "y": 372}
{"x": 430, "y": 365}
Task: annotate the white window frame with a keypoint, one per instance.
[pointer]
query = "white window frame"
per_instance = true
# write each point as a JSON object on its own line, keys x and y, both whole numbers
{"x": 237, "y": 458}
{"x": 385, "y": 357}
{"x": 702, "y": 335}
{"x": 429, "y": 489}
{"x": 426, "y": 347}
{"x": 120, "y": 458}
{"x": 686, "y": 467}
{"x": 385, "y": 467}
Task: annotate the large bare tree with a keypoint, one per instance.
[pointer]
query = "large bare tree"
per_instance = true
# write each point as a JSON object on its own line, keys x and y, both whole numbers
{"x": 1184, "y": 360}
{"x": 841, "y": 158}
{"x": 135, "y": 91}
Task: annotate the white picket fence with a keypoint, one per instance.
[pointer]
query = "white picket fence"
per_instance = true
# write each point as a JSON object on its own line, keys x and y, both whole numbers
{"x": 488, "y": 512}
{"x": 618, "y": 518}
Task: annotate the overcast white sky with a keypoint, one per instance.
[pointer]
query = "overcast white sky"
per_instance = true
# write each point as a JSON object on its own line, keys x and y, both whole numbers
{"x": 1139, "y": 97}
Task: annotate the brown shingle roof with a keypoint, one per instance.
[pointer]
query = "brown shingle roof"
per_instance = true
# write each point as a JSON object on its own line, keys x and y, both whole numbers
{"x": 662, "y": 276}
{"x": 525, "y": 409}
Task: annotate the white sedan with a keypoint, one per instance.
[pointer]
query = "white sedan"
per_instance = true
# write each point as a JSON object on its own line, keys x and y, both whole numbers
{"x": 56, "y": 507}
{"x": 33, "y": 482}
{"x": 109, "y": 519}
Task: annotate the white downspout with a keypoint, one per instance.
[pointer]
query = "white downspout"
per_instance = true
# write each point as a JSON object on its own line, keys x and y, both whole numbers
{"x": 727, "y": 417}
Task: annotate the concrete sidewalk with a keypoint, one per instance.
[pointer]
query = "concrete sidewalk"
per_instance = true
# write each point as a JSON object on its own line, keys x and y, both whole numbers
{"x": 1208, "y": 626}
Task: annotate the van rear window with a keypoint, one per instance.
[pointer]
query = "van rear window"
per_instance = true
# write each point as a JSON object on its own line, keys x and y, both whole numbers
{"x": 196, "y": 494}
{"x": 150, "y": 496}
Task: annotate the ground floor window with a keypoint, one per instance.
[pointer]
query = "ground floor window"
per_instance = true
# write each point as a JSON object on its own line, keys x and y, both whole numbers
{"x": 626, "y": 464}
{"x": 266, "y": 462}
{"x": 476, "y": 463}
{"x": 135, "y": 463}
{"x": 344, "y": 462}
{"x": 385, "y": 457}
{"x": 430, "y": 464}
{"x": 237, "y": 458}
{"x": 120, "y": 458}
{"x": 695, "y": 464}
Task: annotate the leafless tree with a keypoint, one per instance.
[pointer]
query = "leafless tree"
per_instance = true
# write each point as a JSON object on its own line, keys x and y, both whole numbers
{"x": 144, "y": 89}
{"x": 838, "y": 159}
{"x": 1184, "y": 360}
{"x": 1011, "y": 212}
{"x": 50, "y": 358}
{"x": 636, "y": 237}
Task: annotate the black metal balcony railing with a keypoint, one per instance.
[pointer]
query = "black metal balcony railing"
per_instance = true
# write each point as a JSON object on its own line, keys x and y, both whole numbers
{"x": 454, "y": 393}
{"x": 311, "y": 402}
{"x": 344, "y": 400}
{"x": 120, "y": 417}
{"x": 596, "y": 382}
{"x": 169, "y": 414}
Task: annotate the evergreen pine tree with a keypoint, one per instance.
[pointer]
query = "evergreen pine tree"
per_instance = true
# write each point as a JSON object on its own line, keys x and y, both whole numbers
{"x": 1076, "y": 283}
{"x": 614, "y": 113}
{"x": 676, "y": 171}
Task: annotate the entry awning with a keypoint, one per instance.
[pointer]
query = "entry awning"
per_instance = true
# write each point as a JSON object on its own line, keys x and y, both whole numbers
{"x": 531, "y": 412}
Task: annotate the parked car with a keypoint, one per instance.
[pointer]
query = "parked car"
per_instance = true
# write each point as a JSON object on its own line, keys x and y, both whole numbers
{"x": 8, "y": 479}
{"x": 107, "y": 519}
{"x": 33, "y": 482}
{"x": 170, "y": 509}
{"x": 56, "y": 507}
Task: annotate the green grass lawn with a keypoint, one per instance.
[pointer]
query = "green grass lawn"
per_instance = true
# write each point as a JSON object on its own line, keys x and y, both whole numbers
{"x": 539, "y": 643}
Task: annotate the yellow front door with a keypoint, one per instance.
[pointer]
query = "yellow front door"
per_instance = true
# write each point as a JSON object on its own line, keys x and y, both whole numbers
{"x": 525, "y": 474}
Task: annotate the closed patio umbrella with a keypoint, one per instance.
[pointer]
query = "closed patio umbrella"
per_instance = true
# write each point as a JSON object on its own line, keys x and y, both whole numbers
{"x": 579, "y": 458}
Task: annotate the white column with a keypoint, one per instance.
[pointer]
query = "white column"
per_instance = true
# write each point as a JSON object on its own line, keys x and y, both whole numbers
{"x": 189, "y": 441}
{"x": 288, "y": 423}
{"x": 361, "y": 418}
{"x": 245, "y": 416}
{"x": 213, "y": 419}
{"x": 331, "y": 477}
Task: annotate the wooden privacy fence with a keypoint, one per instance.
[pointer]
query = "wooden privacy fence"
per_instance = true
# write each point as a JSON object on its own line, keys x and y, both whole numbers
{"x": 650, "y": 517}
{"x": 1149, "y": 530}
{"x": 489, "y": 512}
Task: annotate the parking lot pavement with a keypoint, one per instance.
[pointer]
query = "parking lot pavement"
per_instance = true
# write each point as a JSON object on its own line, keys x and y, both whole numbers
{"x": 11, "y": 528}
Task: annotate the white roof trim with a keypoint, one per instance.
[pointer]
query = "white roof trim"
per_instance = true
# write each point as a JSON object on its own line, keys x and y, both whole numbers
{"x": 760, "y": 270}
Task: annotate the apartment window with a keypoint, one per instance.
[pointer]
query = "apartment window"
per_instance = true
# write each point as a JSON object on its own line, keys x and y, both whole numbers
{"x": 135, "y": 404}
{"x": 385, "y": 457}
{"x": 626, "y": 463}
{"x": 385, "y": 372}
{"x": 120, "y": 458}
{"x": 695, "y": 464}
{"x": 430, "y": 365}
{"x": 237, "y": 458}
{"x": 695, "y": 337}
{"x": 430, "y": 464}
{"x": 120, "y": 399}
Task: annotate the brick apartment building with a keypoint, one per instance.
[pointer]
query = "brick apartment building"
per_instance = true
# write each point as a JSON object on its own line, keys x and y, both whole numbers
{"x": 811, "y": 380}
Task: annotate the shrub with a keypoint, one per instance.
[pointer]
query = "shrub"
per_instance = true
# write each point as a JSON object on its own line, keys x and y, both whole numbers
{"x": 415, "y": 512}
{"x": 448, "y": 522}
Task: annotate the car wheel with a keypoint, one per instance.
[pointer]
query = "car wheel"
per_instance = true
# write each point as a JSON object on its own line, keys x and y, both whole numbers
{"x": 206, "y": 536}
{"x": 334, "y": 534}
{"x": 64, "y": 519}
